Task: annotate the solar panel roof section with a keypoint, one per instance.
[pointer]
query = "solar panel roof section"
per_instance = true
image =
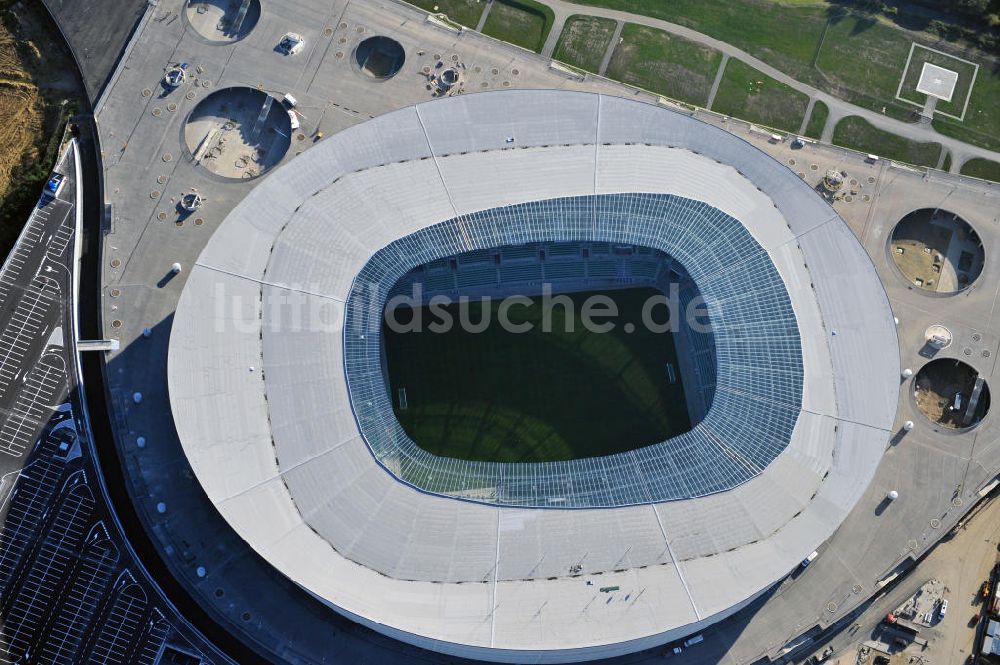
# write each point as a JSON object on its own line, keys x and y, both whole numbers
{"x": 755, "y": 409}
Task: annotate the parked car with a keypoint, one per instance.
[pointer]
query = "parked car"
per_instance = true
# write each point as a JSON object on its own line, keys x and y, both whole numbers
{"x": 54, "y": 185}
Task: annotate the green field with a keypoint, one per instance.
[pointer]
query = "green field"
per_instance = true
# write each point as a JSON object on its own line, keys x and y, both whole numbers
{"x": 584, "y": 40}
{"x": 747, "y": 94}
{"x": 817, "y": 120}
{"x": 859, "y": 134}
{"x": 464, "y": 12}
{"x": 982, "y": 168}
{"x": 671, "y": 66}
{"x": 525, "y": 23}
{"x": 858, "y": 57}
{"x": 982, "y": 121}
{"x": 537, "y": 396}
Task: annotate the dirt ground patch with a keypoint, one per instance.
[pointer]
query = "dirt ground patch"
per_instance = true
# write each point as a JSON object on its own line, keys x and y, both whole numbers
{"x": 21, "y": 112}
{"x": 936, "y": 386}
{"x": 39, "y": 90}
{"x": 922, "y": 247}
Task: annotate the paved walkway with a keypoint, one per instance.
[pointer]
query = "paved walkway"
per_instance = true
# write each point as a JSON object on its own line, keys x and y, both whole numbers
{"x": 615, "y": 38}
{"x": 486, "y": 12}
{"x": 839, "y": 108}
{"x": 553, "y": 38}
{"x": 805, "y": 119}
{"x": 717, "y": 81}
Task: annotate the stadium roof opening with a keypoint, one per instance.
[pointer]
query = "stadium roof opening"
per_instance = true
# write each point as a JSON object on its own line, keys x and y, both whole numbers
{"x": 937, "y": 82}
{"x": 547, "y": 352}
{"x": 757, "y": 398}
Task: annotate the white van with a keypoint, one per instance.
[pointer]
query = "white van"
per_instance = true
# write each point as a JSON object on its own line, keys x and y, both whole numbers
{"x": 694, "y": 640}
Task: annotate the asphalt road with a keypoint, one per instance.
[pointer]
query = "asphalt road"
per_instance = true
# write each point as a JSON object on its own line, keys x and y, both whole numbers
{"x": 96, "y": 45}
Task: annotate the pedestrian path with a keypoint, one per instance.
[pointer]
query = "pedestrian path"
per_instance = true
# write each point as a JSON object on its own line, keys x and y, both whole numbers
{"x": 922, "y": 132}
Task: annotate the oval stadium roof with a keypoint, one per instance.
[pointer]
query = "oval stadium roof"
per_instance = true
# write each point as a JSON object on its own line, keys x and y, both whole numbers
{"x": 808, "y": 375}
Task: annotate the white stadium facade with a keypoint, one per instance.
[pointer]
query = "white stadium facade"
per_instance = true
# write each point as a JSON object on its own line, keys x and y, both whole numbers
{"x": 288, "y": 425}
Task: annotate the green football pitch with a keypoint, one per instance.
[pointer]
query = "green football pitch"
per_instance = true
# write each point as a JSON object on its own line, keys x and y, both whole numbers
{"x": 537, "y": 396}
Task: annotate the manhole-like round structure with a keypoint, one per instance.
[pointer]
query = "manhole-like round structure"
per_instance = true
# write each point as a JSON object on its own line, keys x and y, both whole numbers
{"x": 380, "y": 57}
{"x": 938, "y": 337}
{"x": 951, "y": 393}
{"x": 447, "y": 79}
{"x": 191, "y": 202}
{"x": 174, "y": 77}
{"x": 238, "y": 131}
{"x": 222, "y": 21}
{"x": 937, "y": 251}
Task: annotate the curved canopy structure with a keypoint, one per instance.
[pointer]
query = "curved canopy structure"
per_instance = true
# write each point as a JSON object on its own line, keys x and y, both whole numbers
{"x": 280, "y": 403}
{"x": 758, "y": 394}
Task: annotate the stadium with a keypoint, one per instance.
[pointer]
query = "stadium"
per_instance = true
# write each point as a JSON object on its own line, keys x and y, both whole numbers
{"x": 290, "y": 414}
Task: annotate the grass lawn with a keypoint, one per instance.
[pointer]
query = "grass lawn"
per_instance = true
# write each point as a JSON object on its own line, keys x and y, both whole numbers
{"x": 662, "y": 63}
{"x": 861, "y": 59}
{"x": 584, "y": 40}
{"x": 537, "y": 396}
{"x": 747, "y": 94}
{"x": 817, "y": 121}
{"x": 465, "y": 12}
{"x": 982, "y": 168}
{"x": 982, "y": 120}
{"x": 859, "y": 134}
{"x": 525, "y": 23}
{"x": 855, "y": 56}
